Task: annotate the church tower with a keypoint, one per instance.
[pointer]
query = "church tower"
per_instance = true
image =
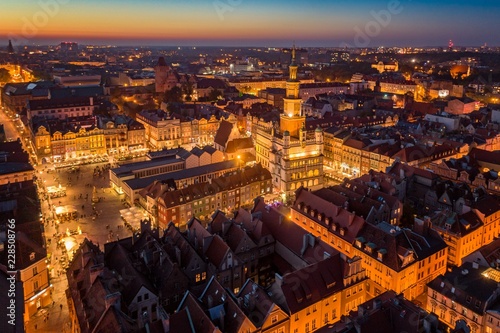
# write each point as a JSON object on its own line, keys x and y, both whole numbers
{"x": 165, "y": 77}
{"x": 10, "y": 48}
{"x": 292, "y": 119}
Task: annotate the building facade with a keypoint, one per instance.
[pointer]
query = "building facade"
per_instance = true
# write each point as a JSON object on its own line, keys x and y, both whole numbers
{"x": 293, "y": 156}
{"x": 405, "y": 270}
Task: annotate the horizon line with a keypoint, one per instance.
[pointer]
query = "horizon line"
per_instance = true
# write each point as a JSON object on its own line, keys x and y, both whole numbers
{"x": 249, "y": 46}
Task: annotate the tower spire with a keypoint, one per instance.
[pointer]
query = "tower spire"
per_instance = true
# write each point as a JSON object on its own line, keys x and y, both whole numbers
{"x": 10, "y": 48}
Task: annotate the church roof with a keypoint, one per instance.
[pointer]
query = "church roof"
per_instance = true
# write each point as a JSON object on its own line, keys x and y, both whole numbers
{"x": 161, "y": 62}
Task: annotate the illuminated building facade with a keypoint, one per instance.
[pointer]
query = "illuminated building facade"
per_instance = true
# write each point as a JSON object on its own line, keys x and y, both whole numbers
{"x": 399, "y": 259}
{"x": 293, "y": 155}
{"x": 465, "y": 293}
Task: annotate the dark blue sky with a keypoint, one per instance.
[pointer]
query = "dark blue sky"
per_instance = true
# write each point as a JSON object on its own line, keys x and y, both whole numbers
{"x": 254, "y": 22}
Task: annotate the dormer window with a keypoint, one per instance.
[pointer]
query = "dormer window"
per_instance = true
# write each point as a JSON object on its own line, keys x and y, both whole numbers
{"x": 370, "y": 247}
{"x": 32, "y": 256}
{"x": 381, "y": 254}
{"x": 359, "y": 242}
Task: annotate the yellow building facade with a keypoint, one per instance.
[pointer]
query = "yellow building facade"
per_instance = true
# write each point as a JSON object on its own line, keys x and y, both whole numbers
{"x": 293, "y": 155}
{"x": 406, "y": 272}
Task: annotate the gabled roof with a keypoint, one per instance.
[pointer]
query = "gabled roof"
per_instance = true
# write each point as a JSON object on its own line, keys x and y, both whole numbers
{"x": 461, "y": 285}
{"x": 239, "y": 144}
{"x": 45, "y": 104}
{"x": 223, "y": 310}
{"x": 217, "y": 251}
{"x": 29, "y": 246}
{"x": 298, "y": 240}
{"x": 211, "y": 83}
{"x": 223, "y": 133}
{"x": 340, "y": 217}
{"x": 116, "y": 321}
{"x": 118, "y": 259}
{"x": 190, "y": 317}
{"x": 256, "y": 303}
{"x": 303, "y": 288}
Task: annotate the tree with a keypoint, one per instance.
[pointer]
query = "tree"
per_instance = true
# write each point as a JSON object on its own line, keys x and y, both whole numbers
{"x": 214, "y": 95}
{"x": 408, "y": 216}
{"x": 173, "y": 95}
{"x": 41, "y": 75}
{"x": 187, "y": 90}
{"x": 4, "y": 75}
{"x": 246, "y": 89}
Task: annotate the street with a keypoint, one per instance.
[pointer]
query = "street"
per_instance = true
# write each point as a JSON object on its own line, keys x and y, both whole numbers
{"x": 11, "y": 132}
{"x": 14, "y": 129}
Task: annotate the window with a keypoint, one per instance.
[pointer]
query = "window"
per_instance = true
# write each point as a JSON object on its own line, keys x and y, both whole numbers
{"x": 314, "y": 324}
{"x": 307, "y": 328}
{"x": 274, "y": 319}
{"x": 326, "y": 318}
{"x": 198, "y": 277}
{"x": 35, "y": 270}
{"x": 35, "y": 285}
{"x": 146, "y": 296}
{"x": 139, "y": 299}
{"x": 296, "y": 316}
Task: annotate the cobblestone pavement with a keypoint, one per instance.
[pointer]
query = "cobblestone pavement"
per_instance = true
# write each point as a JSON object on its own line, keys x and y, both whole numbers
{"x": 55, "y": 318}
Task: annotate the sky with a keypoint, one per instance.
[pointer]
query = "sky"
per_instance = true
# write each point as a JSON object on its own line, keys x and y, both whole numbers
{"x": 328, "y": 23}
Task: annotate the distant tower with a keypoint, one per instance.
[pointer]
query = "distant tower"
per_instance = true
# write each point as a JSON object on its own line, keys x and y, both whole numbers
{"x": 10, "y": 48}
{"x": 165, "y": 78}
{"x": 450, "y": 45}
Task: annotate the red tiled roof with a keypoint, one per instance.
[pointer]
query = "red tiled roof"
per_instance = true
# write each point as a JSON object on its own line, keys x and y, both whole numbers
{"x": 223, "y": 133}
{"x": 311, "y": 284}
{"x": 351, "y": 223}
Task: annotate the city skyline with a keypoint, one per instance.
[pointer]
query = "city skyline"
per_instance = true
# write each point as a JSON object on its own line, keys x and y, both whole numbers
{"x": 256, "y": 23}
